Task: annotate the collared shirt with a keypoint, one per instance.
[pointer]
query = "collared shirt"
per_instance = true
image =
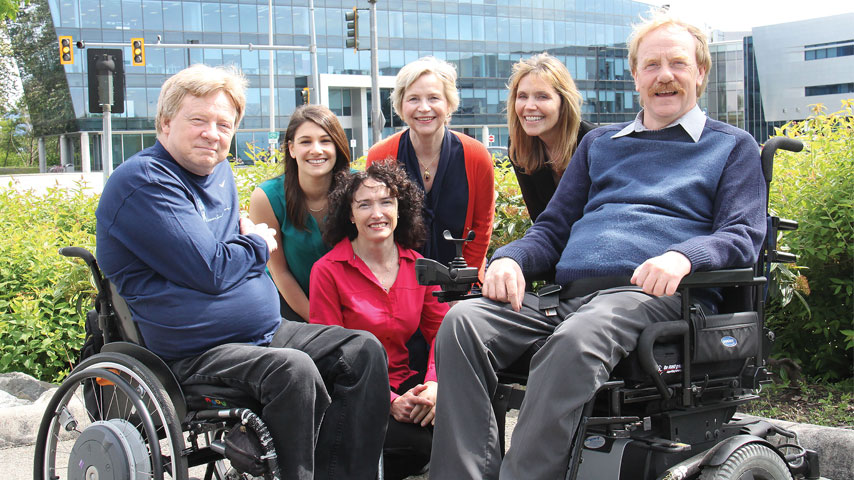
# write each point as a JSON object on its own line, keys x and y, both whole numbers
{"x": 692, "y": 122}
{"x": 345, "y": 292}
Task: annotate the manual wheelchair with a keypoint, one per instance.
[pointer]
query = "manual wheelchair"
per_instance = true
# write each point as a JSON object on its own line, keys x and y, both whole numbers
{"x": 121, "y": 414}
{"x": 669, "y": 409}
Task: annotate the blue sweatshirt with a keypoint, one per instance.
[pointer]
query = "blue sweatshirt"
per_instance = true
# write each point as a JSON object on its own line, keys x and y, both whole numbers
{"x": 624, "y": 200}
{"x": 170, "y": 242}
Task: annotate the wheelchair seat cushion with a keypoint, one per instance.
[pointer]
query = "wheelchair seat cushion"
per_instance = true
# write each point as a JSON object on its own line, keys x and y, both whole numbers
{"x": 207, "y": 397}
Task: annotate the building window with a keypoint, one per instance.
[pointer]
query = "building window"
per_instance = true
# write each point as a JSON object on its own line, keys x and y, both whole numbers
{"x": 834, "y": 89}
{"x": 829, "y": 50}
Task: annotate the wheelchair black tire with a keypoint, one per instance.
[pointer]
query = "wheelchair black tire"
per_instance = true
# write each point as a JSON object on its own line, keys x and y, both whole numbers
{"x": 755, "y": 459}
{"x": 139, "y": 380}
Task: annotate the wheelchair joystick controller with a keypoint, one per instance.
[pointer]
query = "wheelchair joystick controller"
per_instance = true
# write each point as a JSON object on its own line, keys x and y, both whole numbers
{"x": 456, "y": 279}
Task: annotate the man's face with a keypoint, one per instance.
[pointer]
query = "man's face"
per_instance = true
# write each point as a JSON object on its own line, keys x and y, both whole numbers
{"x": 199, "y": 134}
{"x": 667, "y": 75}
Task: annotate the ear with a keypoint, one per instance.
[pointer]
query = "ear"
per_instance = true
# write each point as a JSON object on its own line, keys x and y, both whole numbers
{"x": 701, "y": 75}
{"x": 165, "y": 125}
{"x": 291, "y": 149}
{"x": 635, "y": 78}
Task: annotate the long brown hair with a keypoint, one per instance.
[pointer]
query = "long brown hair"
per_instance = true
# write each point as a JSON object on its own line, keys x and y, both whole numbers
{"x": 325, "y": 119}
{"x": 530, "y": 152}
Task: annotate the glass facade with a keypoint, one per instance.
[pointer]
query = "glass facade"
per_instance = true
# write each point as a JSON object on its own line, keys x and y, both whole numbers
{"x": 482, "y": 38}
{"x": 724, "y": 96}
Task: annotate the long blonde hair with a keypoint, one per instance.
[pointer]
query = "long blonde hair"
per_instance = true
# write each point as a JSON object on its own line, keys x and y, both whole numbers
{"x": 528, "y": 152}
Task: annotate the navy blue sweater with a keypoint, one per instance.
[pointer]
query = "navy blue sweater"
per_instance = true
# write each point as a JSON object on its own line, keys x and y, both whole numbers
{"x": 627, "y": 199}
{"x": 170, "y": 242}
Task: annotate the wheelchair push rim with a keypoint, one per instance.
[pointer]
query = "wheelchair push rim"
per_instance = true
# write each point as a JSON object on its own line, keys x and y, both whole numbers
{"x": 128, "y": 413}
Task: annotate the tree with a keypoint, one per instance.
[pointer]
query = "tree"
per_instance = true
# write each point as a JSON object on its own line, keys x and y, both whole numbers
{"x": 9, "y": 8}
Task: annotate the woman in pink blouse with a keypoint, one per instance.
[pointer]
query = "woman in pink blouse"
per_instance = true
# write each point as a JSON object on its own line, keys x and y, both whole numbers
{"x": 367, "y": 282}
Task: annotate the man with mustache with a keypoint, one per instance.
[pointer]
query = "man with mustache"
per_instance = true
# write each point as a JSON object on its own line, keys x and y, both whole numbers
{"x": 641, "y": 205}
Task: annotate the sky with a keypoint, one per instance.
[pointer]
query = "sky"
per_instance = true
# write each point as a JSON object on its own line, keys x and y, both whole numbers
{"x": 742, "y": 15}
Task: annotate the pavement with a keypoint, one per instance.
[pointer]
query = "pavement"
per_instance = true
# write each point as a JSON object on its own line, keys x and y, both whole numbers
{"x": 23, "y": 400}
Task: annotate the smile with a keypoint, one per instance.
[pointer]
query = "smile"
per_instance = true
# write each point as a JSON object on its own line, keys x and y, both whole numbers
{"x": 531, "y": 118}
{"x": 316, "y": 161}
{"x": 378, "y": 226}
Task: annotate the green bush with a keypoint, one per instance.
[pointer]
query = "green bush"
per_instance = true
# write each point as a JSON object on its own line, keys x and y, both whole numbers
{"x": 511, "y": 216}
{"x": 816, "y": 188}
{"x": 40, "y": 330}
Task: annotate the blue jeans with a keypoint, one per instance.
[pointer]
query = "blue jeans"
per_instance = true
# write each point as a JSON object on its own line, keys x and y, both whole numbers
{"x": 323, "y": 391}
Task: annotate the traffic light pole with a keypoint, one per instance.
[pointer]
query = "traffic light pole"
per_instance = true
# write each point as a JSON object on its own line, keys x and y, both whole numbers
{"x": 377, "y": 118}
{"x": 106, "y": 68}
{"x": 312, "y": 49}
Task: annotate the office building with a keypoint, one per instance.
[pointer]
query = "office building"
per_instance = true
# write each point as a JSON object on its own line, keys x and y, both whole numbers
{"x": 787, "y": 69}
{"x": 483, "y": 38}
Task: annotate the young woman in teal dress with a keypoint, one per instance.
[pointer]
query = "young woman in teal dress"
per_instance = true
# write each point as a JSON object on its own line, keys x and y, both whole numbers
{"x": 295, "y": 203}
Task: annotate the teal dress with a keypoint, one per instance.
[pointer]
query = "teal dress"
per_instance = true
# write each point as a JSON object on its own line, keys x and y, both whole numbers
{"x": 301, "y": 247}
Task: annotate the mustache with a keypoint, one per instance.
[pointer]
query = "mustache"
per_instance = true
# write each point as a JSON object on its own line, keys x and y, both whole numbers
{"x": 666, "y": 87}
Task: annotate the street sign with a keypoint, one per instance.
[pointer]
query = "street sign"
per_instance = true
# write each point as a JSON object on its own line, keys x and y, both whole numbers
{"x": 491, "y": 138}
{"x": 273, "y": 138}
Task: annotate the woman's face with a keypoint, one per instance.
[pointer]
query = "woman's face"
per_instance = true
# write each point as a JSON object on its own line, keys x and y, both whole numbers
{"x": 537, "y": 106}
{"x": 425, "y": 108}
{"x": 374, "y": 211}
{"x": 313, "y": 150}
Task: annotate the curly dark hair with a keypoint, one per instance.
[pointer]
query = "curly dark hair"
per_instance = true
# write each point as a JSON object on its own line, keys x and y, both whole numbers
{"x": 410, "y": 231}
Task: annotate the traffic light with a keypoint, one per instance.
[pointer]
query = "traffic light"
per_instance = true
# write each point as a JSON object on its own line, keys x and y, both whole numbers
{"x": 306, "y": 96}
{"x": 352, "y": 19}
{"x": 66, "y": 51}
{"x": 137, "y": 52}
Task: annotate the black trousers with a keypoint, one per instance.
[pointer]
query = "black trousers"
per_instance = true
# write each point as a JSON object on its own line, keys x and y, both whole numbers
{"x": 323, "y": 391}
{"x": 407, "y": 445}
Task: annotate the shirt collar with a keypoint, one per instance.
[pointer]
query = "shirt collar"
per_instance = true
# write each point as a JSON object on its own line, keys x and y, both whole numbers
{"x": 343, "y": 252}
{"x": 692, "y": 122}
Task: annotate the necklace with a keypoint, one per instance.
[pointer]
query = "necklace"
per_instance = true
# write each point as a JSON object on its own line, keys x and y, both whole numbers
{"x": 427, "y": 168}
{"x": 318, "y": 210}
{"x": 387, "y": 277}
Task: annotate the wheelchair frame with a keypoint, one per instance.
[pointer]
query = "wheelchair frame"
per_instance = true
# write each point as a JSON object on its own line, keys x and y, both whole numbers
{"x": 130, "y": 401}
{"x": 681, "y": 429}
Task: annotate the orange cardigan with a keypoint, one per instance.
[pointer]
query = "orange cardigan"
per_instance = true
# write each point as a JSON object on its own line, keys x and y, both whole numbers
{"x": 481, "y": 182}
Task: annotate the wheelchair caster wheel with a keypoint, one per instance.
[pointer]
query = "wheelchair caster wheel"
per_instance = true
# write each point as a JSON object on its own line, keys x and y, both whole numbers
{"x": 111, "y": 449}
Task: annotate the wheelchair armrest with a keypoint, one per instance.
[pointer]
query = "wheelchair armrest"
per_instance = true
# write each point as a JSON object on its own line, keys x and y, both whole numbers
{"x": 721, "y": 278}
{"x": 646, "y": 356}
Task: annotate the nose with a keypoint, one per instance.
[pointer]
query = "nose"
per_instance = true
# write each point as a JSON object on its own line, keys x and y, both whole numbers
{"x": 665, "y": 74}
{"x": 423, "y": 105}
{"x": 315, "y": 147}
{"x": 528, "y": 103}
{"x": 211, "y": 133}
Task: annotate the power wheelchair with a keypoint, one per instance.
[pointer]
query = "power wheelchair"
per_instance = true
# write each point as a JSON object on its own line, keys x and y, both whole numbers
{"x": 121, "y": 414}
{"x": 665, "y": 414}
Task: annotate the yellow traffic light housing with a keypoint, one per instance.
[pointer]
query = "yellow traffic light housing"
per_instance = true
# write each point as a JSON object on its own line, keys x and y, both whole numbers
{"x": 306, "y": 96}
{"x": 137, "y": 52}
{"x": 66, "y": 50}
{"x": 352, "y": 19}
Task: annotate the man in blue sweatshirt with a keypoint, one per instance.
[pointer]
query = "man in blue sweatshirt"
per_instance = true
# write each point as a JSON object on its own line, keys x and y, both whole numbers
{"x": 651, "y": 200}
{"x": 170, "y": 236}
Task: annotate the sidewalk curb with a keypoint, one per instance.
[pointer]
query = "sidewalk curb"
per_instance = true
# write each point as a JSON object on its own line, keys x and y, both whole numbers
{"x": 835, "y": 446}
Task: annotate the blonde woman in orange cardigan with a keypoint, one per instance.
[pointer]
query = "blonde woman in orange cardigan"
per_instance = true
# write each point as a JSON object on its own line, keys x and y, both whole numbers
{"x": 453, "y": 169}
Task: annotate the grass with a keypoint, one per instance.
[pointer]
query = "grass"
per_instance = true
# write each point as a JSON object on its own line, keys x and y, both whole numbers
{"x": 830, "y": 405}
{"x": 18, "y": 170}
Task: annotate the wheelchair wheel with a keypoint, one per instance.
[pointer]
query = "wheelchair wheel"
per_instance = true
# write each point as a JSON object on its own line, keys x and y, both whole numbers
{"x": 753, "y": 461}
{"x": 110, "y": 418}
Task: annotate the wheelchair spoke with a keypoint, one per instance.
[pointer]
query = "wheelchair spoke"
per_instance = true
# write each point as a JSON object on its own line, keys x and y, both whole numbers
{"x": 94, "y": 422}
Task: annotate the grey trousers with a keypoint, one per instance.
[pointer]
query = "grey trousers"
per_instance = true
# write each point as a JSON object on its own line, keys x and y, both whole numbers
{"x": 585, "y": 341}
